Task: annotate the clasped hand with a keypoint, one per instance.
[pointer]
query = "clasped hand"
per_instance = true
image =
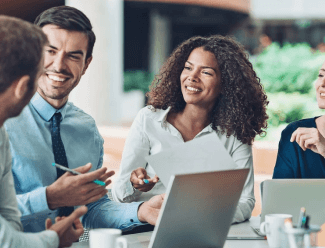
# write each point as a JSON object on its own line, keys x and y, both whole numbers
{"x": 69, "y": 228}
{"x": 309, "y": 138}
{"x": 76, "y": 190}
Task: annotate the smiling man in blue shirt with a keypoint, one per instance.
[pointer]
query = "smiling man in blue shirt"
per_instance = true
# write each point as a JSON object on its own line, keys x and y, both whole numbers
{"x": 51, "y": 129}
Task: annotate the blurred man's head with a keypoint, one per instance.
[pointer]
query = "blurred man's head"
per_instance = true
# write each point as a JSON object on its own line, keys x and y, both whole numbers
{"x": 21, "y": 57}
{"x": 68, "y": 54}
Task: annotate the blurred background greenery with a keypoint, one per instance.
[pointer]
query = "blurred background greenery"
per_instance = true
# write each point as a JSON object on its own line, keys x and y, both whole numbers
{"x": 137, "y": 80}
{"x": 287, "y": 73}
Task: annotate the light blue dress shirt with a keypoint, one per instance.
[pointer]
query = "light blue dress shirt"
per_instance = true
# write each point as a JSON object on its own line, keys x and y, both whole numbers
{"x": 32, "y": 156}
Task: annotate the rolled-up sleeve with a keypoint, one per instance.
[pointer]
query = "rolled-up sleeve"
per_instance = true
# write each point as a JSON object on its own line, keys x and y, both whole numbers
{"x": 110, "y": 214}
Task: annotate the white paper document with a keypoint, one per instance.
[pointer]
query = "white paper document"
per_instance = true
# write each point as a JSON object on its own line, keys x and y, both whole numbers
{"x": 202, "y": 154}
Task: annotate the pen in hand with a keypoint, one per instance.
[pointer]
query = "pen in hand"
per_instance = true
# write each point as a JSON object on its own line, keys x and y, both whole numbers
{"x": 101, "y": 183}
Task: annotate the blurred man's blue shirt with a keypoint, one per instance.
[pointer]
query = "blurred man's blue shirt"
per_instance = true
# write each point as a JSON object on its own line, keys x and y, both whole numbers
{"x": 31, "y": 148}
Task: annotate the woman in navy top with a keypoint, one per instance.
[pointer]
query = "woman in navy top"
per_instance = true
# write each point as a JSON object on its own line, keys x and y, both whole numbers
{"x": 302, "y": 145}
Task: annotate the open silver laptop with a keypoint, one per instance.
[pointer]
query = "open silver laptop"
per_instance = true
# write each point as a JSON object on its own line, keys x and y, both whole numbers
{"x": 287, "y": 196}
{"x": 198, "y": 209}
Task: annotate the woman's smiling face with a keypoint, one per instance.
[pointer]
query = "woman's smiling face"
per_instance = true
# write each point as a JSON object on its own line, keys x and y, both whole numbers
{"x": 200, "y": 79}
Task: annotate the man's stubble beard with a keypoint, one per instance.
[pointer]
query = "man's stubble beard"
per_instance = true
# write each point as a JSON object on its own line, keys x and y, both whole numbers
{"x": 59, "y": 96}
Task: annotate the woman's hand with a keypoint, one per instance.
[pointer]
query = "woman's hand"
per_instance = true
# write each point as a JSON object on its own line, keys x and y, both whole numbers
{"x": 141, "y": 181}
{"x": 309, "y": 138}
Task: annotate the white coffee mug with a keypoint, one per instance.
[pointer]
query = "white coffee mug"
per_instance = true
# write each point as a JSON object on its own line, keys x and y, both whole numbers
{"x": 106, "y": 238}
{"x": 272, "y": 227}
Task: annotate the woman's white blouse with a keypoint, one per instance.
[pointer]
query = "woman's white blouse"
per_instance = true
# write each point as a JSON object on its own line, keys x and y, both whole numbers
{"x": 149, "y": 134}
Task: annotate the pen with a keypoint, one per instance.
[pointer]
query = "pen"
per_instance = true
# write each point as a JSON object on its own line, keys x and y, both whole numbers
{"x": 303, "y": 222}
{"x": 301, "y": 216}
{"x": 146, "y": 181}
{"x": 307, "y": 222}
{"x": 76, "y": 173}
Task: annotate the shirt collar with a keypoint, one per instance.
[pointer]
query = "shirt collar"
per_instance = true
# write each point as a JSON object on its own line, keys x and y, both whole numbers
{"x": 161, "y": 116}
{"x": 207, "y": 129}
{"x": 44, "y": 109}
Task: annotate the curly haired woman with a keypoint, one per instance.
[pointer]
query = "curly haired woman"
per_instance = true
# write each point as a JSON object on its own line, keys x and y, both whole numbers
{"x": 207, "y": 85}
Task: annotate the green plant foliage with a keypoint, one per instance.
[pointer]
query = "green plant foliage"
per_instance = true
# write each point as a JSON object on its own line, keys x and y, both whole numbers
{"x": 288, "y": 74}
{"x": 288, "y": 107}
{"x": 291, "y": 68}
{"x": 137, "y": 80}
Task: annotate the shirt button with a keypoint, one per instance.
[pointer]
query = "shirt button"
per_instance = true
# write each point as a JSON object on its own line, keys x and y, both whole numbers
{"x": 131, "y": 220}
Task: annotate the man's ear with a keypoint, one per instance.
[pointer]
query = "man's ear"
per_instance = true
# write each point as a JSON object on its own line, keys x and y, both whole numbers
{"x": 21, "y": 86}
{"x": 87, "y": 64}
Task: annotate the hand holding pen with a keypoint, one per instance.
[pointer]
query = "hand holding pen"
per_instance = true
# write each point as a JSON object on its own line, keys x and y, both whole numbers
{"x": 76, "y": 190}
{"x": 101, "y": 183}
{"x": 141, "y": 181}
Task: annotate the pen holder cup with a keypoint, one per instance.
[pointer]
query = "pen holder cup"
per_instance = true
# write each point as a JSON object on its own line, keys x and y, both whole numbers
{"x": 300, "y": 237}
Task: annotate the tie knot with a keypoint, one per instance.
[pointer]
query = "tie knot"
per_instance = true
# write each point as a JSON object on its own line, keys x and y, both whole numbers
{"x": 56, "y": 118}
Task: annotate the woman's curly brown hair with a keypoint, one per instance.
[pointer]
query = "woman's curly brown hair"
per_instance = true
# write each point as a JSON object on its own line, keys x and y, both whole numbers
{"x": 240, "y": 109}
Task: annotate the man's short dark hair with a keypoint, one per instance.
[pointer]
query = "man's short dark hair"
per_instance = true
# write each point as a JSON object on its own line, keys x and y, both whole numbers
{"x": 21, "y": 51}
{"x": 70, "y": 19}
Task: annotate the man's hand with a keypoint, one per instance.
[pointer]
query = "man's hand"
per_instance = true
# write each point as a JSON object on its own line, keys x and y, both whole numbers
{"x": 69, "y": 228}
{"x": 149, "y": 211}
{"x": 309, "y": 138}
{"x": 75, "y": 190}
{"x": 137, "y": 177}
